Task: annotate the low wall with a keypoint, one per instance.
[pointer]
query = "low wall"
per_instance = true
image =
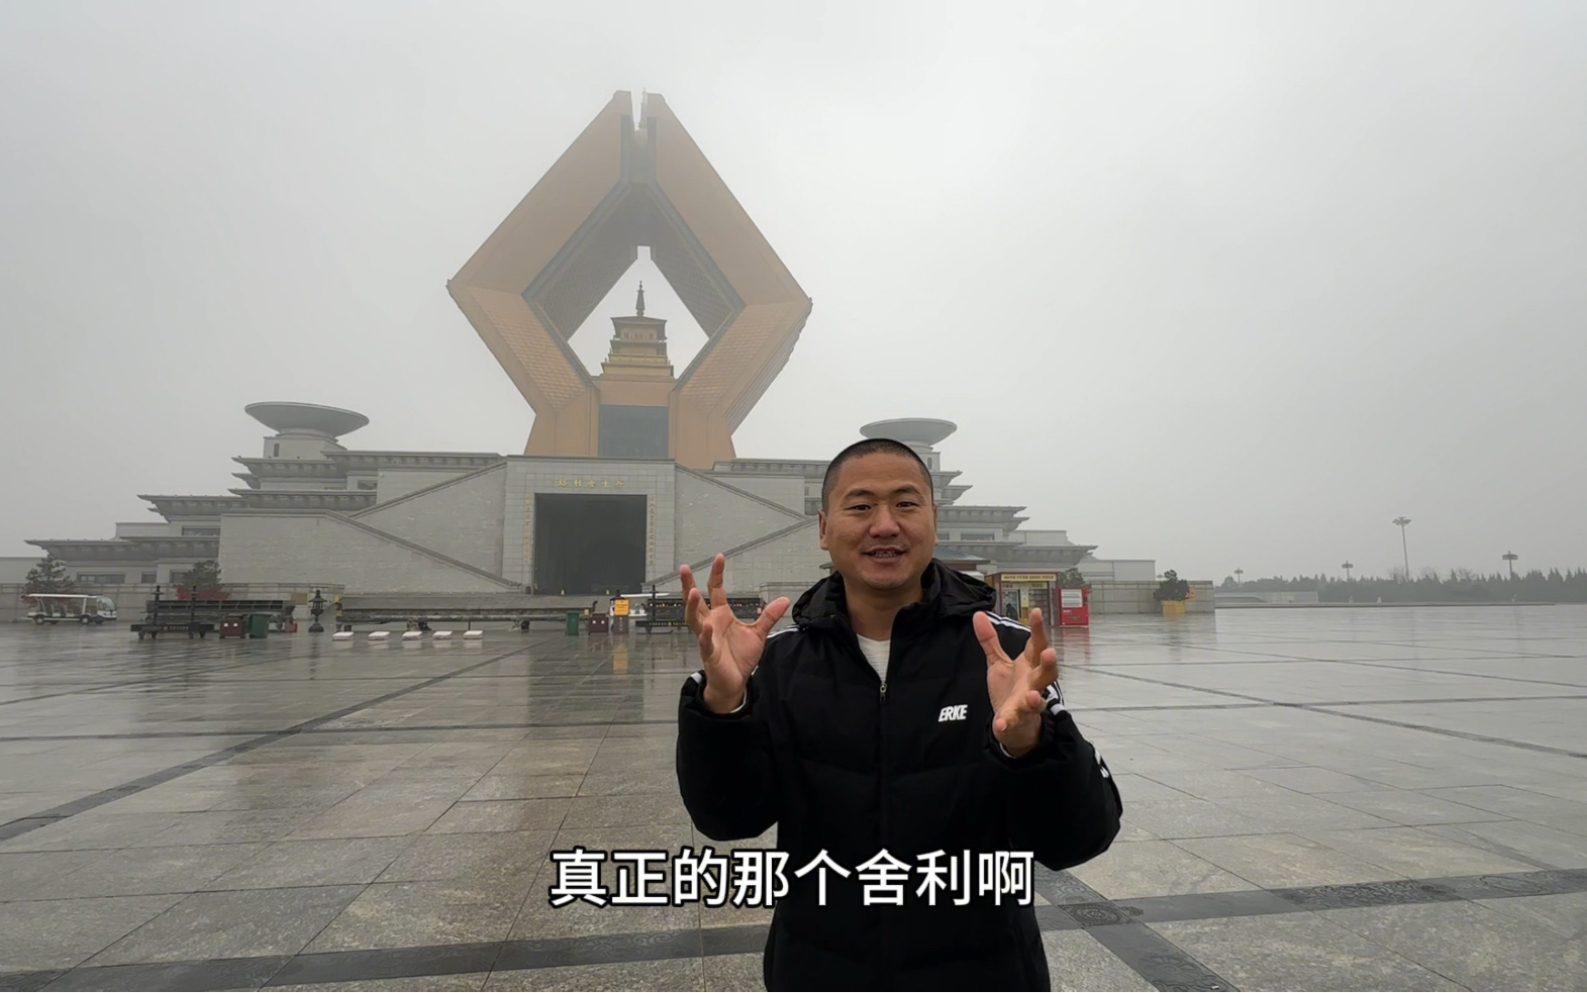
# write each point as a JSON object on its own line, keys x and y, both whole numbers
{"x": 1136, "y": 598}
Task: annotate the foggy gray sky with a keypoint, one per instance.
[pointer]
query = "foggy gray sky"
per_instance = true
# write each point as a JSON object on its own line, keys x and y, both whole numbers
{"x": 1223, "y": 285}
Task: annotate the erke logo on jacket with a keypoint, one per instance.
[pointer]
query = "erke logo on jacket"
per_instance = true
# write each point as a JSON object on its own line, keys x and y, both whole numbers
{"x": 955, "y": 713}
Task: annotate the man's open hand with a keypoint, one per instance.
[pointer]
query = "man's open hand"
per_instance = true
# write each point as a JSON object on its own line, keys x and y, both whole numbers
{"x": 730, "y": 648}
{"x": 1016, "y": 685}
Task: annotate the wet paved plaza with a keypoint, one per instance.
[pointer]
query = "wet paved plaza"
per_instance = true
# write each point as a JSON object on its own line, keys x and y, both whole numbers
{"x": 1322, "y": 799}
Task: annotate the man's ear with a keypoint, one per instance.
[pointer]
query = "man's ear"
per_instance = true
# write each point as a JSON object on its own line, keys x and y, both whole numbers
{"x": 821, "y": 528}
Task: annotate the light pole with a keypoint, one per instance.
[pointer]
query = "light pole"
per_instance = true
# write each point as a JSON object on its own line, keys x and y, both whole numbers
{"x": 316, "y": 607}
{"x": 1347, "y": 566}
{"x": 1509, "y": 558}
{"x": 1404, "y": 548}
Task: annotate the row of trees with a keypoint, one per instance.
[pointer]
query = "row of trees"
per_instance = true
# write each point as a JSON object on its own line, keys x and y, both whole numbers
{"x": 52, "y": 576}
{"x": 1458, "y": 585}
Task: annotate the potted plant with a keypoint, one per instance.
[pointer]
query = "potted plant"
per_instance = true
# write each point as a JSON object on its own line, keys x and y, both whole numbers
{"x": 1172, "y": 593}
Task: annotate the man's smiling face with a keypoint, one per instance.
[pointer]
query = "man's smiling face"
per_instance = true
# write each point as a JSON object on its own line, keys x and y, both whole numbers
{"x": 880, "y": 522}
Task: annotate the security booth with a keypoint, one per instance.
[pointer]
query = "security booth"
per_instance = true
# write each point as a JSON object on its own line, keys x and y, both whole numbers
{"x": 620, "y": 615}
{"x": 1018, "y": 593}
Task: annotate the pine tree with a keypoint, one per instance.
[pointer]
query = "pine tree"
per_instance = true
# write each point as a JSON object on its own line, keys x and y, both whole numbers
{"x": 49, "y": 576}
{"x": 203, "y": 580}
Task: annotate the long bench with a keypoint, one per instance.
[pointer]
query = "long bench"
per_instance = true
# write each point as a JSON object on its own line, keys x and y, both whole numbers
{"x": 422, "y": 617}
{"x": 198, "y": 617}
{"x": 668, "y": 611}
{"x": 156, "y": 628}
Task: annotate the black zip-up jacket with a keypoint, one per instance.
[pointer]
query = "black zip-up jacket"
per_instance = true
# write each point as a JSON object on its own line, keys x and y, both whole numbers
{"x": 843, "y": 762}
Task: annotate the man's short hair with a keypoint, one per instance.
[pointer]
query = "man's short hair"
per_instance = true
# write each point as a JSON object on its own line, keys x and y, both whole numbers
{"x": 872, "y": 446}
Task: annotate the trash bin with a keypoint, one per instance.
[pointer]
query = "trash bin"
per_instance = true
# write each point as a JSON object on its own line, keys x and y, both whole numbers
{"x": 258, "y": 625}
{"x": 573, "y": 622}
{"x": 598, "y": 623}
{"x": 230, "y": 627}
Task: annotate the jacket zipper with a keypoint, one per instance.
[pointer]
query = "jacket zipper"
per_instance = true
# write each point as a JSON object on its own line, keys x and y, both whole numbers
{"x": 881, "y": 778}
{"x": 881, "y": 809}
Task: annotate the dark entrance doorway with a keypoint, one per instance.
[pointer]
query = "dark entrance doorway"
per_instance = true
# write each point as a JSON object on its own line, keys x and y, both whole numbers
{"x": 589, "y": 543}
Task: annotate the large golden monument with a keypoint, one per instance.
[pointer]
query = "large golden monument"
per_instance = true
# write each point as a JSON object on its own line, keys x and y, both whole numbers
{"x": 547, "y": 266}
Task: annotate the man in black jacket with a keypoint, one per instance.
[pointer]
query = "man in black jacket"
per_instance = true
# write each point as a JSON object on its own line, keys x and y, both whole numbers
{"x": 896, "y": 715}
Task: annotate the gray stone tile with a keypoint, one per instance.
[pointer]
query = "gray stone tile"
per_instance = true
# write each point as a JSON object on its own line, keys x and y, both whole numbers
{"x": 237, "y": 924}
{"x": 59, "y": 934}
{"x": 398, "y": 768}
{"x": 14, "y": 805}
{"x": 223, "y": 974}
{"x": 1303, "y": 813}
{"x": 617, "y": 783}
{"x": 1076, "y": 961}
{"x": 1471, "y": 944}
{"x": 321, "y": 862}
{"x": 1565, "y": 914}
{"x": 545, "y": 758}
{"x": 32, "y": 875}
{"x": 602, "y": 811}
{"x": 524, "y": 786}
{"x": 461, "y": 983}
{"x": 168, "y": 798}
{"x": 1550, "y": 811}
{"x": 668, "y": 974}
{"x": 1312, "y": 779}
{"x": 1410, "y": 807}
{"x": 1297, "y": 952}
{"x": 478, "y": 857}
{"x": 1140, "y": 788}
{"x": 1204, "y": 784}
{"x": 1154, "y": 868}
{"x": 1565, "y": 791}
{"x": 1520, "y": 841}
{"x": 545, "y": 814}
{"x": 91, "y": 830}
{"x": 633, "y": 837}
{"x": 136, "y": 871}
{"x": 1191, "y": 818}
{"x": 539, "y": 919}
{"x": 1417, "y": 854}
{"x": 1272, "y": 861}
{"x": 365, "y": 819}
{"x": 284, "y": 797}
{"x": 230, "y": 827}
{"x": 401, "y": 915}
{"x": 733, "y": 972}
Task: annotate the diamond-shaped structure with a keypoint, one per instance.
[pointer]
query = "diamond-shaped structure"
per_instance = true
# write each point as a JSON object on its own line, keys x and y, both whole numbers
{"x": 547, "y": 266}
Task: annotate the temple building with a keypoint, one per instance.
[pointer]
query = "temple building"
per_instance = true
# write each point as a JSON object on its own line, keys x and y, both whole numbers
{"x": 626, "y": 474}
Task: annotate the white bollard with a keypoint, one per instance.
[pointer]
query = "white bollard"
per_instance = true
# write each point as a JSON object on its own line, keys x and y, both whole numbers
{"x": 441, "y": 636}
{"x": 412, "y": 635}
{"x": 342, "y": 636}
{"x": 473, "y": 635}
{"x": 379, "y": 635}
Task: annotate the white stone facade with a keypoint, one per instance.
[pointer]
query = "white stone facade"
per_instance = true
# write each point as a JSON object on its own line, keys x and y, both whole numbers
{"x": 314, "y": 514}
{"x": 459, "y": 516}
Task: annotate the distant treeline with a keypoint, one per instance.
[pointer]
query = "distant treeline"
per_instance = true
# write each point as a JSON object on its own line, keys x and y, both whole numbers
{"x": 1459, "y": 585}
